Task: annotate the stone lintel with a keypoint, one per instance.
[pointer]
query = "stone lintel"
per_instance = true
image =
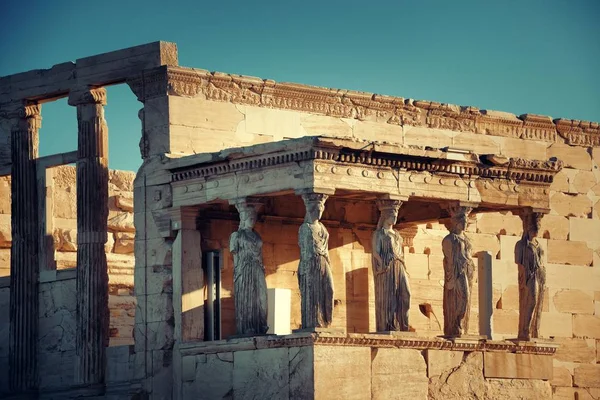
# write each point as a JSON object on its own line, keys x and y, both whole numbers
{"x": 99, "y": 70}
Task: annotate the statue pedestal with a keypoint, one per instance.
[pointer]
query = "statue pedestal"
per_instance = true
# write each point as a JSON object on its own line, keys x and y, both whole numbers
{"x": 465, "y": 339}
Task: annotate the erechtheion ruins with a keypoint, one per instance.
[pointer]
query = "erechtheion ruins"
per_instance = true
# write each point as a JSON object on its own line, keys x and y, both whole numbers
{"x": 283, "y": 241}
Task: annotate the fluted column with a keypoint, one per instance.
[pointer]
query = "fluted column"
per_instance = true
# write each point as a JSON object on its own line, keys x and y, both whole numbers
{"x": 92, "y": 213}
{"x": 25, "y": 124}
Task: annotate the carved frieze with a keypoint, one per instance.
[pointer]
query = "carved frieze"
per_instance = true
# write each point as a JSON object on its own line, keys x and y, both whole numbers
{"x": 240, "y": 89}
{"x": 579, "y": 133}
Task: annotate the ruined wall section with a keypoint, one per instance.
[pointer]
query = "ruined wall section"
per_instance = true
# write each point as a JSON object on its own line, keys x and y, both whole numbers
{"x": 119, "y": 249}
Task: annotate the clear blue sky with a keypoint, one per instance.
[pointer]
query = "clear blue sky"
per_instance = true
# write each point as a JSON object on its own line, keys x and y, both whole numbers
{"x": 528, "y": 56}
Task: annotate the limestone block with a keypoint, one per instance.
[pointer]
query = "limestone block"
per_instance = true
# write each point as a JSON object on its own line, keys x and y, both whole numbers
{"x": 529, "y": 149}
{"x": 110, "y": 243}
{"x": 124, "y": 242}
{"x": 572, "y": 156}
{"x": 315, "y": 125}
{"x": 584, "y": 278}
{"x": 417, "y": 265}
{"x": 154, "y": 335}
{"x": 499, "y": 224}
{"x": 561, "y": 377}
{"x": 556, "y": 325}
{"x": 587, "y": 326}
{"x": 122, "y": 222}
{"x": 368, "y": 130}
{"x": 507, "y": 248}
{"x": 481, "y": 242}
{"x": 561, "y": 181}
{"x": 573, "y": 301}
{"x": 421, "y": 136}
{"x": 585, "y": 230}
{"x": 280, "y": 124}
{"x": 555, "y": 227}
{"x": 569, "y": 252}
{"x": 587, "y": 375}
{"x": 558, "y": 276}
{"x": 301, "y": 377}
{"x": 505, "y": 322}
{"x": 5, "y": 195}
{"x": 583, "y": 182}
{"x": 477, "y": 143}
{"x": 510, "y": 299}
{"x": 214, "y": 375}
{"x": 575, "y": 350}
{"x": 566, "y": 393}
{"x": 463, "y": 382}
{"x": 570, "y": 205}
{"x": 124, "y": 201}
{"x": 517, "y": 365}
{"x": 121, "y": 181}
{"x": 439, "y": 361}
{"x": 348, "y": 367}
{"x": 398, "y": 374}
{"x": 261, "y": 374}
{"x": 530, "y": 389}
{"x": 5, "y": 231}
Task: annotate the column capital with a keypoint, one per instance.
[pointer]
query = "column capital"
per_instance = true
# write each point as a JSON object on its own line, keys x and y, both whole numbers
{"x": 21, "y": 110}
{"x": 82, "y": 96}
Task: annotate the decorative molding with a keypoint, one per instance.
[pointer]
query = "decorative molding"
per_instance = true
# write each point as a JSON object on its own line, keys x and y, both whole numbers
{"x": 579, "y": 133}
{"x": 239, "y": 89}
{"x": 406, "y": 341}
{"x": 517, "y": 169}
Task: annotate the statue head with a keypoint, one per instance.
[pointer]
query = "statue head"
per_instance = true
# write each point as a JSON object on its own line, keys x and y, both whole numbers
{"x": 315, "y": 205}
{"x": 533, "y": 224}
{"x": 247, "y": 215}
{"x": 458, "y": 218}
{"x": 388, "y": 213}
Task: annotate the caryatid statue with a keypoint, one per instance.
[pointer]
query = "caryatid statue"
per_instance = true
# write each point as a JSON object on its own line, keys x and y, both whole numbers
{"x": 392, "y": 291}
{"x": 458, "y": 273}
{"x": 532, "y": 276}
{"x": 249, "y": 283}
{"x": 314, "y": 272}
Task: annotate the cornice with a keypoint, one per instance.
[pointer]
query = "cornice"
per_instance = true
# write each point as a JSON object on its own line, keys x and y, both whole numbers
{"x": 239, "y": 89}
{"x": 367, "y": 340}
{"x": 517, "y": 169}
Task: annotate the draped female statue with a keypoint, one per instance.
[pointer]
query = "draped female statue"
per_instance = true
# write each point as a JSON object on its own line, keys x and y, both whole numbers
{"x": 458, "y": 274}
{"x": 532, "y": 277}
{"x": 249, "y": 284}
{"x": 392, "y": 291}
{"x": 314, "y": 272}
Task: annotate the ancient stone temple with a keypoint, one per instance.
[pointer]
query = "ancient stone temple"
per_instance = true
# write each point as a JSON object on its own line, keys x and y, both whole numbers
{"x": 283, "y": 241}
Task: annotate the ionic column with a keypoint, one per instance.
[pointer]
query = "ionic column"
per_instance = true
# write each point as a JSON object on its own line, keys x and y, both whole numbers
{"x": 92, "y": 213}
{"x": 25, "y": 124}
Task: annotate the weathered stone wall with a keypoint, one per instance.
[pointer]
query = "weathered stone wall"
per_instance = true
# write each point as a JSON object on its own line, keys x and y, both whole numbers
{"x": 254, "y": 368}
{"x": 63, "y": 224}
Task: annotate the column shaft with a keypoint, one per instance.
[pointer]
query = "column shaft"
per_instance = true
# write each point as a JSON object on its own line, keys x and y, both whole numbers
{"x": 92, "y": 213}
{"x": 24, "y": 251}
